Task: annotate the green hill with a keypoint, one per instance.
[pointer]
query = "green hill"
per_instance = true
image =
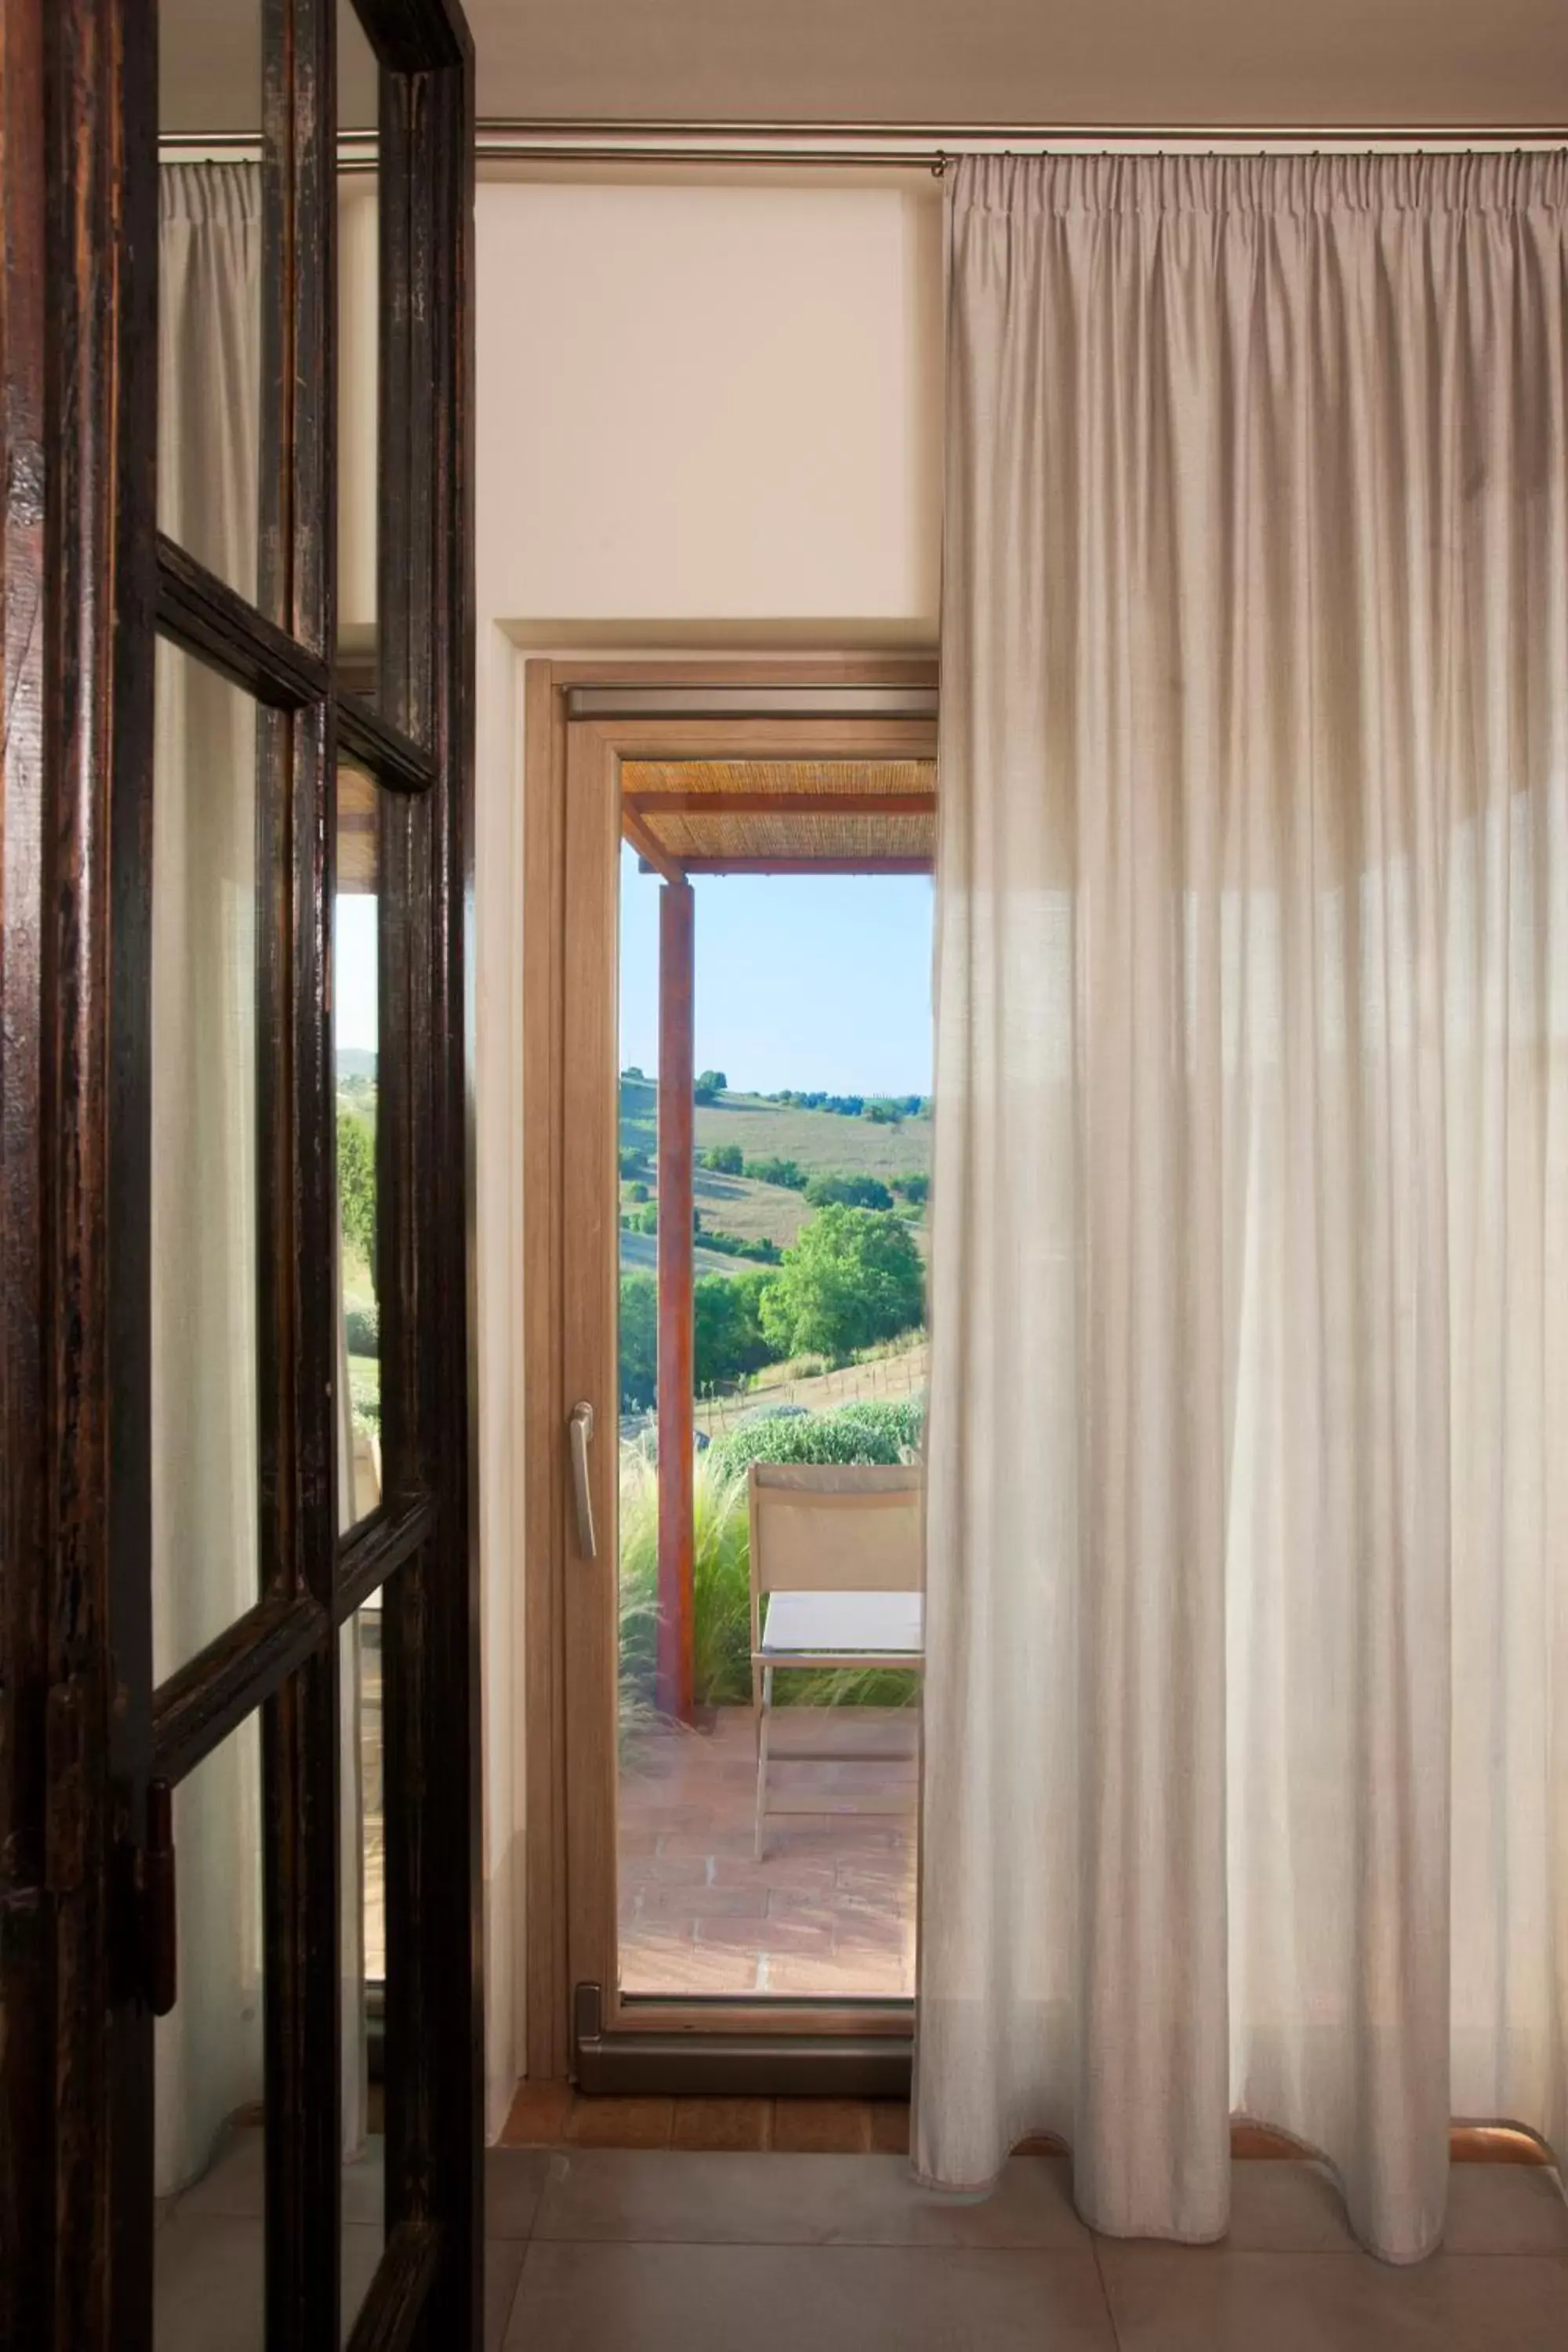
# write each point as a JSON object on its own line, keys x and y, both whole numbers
{"x": 820, "y": 1142}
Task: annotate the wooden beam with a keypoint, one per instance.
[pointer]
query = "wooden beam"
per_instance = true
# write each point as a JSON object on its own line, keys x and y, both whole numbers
{"x": 673, "y": 1677}
{"x": 808, "y": 865}
{"x": 647, "y": 847}
{"x": 647, "y": 804}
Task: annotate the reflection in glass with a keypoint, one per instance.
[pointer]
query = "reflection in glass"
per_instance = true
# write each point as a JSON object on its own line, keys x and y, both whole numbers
{"x": 212, "y": 432}
{"x": 358, "y": 356}
{"x": 205, "y": 1154}
{"x": 356, "y": 1028}
{"x": 363, "y": 1949}
{"x": 209, "y": 2147}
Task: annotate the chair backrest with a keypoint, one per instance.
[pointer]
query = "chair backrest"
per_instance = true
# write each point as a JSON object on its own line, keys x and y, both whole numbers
{"x": 823, "y": 1528}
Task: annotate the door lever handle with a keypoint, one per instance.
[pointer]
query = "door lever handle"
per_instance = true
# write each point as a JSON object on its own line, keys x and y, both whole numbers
{"x": 580, "y": 1425}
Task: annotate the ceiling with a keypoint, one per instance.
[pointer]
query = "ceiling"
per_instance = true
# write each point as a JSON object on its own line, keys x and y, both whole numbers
{"x": 1313, "y": 64}
{"x": 949, "y": 62}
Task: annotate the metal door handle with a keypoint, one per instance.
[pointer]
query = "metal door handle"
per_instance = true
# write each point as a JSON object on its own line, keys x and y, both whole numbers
{"x": 580, "y": 1425}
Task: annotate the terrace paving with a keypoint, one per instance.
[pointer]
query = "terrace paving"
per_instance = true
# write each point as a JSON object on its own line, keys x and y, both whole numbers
{"x": 829, "y": 1913}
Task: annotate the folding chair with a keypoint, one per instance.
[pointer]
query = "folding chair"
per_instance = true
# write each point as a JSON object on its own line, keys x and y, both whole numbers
{"x": 837, "y": 1578}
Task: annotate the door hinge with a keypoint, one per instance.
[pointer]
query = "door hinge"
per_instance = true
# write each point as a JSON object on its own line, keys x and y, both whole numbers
{"x": 160, "y": 1912}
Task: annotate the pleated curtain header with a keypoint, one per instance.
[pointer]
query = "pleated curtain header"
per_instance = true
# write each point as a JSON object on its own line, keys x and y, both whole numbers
{"x": 1032, "y": 188}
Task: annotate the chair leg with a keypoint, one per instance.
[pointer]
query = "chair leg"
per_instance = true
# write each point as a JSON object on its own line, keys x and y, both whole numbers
{"x": 763, "y": 1761}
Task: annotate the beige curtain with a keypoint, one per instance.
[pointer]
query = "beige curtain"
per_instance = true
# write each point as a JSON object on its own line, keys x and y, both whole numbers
{"x": 204, "y": 1369}
{"x": 1247, "y": 1769}
{"x": 206, "y": 1493}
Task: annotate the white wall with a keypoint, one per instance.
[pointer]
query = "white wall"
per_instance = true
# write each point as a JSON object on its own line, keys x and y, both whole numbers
{"x": 708, "y": 415}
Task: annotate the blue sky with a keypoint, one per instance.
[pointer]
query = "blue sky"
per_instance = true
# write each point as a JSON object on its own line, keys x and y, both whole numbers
{"x": 355, "y": 970}
{"x": 801, "y": 981}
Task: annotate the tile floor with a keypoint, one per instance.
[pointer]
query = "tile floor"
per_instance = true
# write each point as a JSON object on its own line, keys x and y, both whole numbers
{"x": 615, "y": 2250}
{"x": 646, "y": 2251}
{"x": 829, "y": 1911}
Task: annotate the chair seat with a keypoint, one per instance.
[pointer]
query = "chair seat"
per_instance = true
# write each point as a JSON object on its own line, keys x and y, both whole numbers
{"x": 843, "y": 1625}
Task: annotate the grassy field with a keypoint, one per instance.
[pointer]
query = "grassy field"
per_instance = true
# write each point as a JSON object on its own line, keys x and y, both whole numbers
{"x": 892, "y": 1372}
{"x": 819, "y": 1141}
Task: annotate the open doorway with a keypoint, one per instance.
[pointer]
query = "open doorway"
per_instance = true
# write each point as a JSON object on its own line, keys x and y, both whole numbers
{"x": 745, "y": 1087}
{"x": 768, "y": 1728}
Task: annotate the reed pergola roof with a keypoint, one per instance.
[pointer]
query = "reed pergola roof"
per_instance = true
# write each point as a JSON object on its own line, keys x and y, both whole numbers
{"x": 781, "y": 817}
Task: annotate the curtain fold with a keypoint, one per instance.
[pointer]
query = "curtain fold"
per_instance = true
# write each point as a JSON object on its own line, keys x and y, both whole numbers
{"x": 1246, "y": 1713}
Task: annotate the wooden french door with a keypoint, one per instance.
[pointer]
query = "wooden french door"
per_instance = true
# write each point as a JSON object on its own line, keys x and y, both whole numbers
{"x": 590, "y": 728}
{"x": 193, "y": 731}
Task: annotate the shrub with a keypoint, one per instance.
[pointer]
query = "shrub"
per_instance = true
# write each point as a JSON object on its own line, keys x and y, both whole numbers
{"x": 364, "y": 1396}
{"x": 721, "y": 1591}
{"x": 883, "y": 1113}
{"x": 633, "y": 1162}
{"x": 356, "y": 1184}
{"x": 849, "y": 1435}
{"x": 638, "y": 1192}
{"x": 725, "y": 1159}
{"x": 854, "y": 1277}
{"x": 361, "y": 1330}
{"x": 774, "y": 1171}
{"x": 915, "y": 1187}
{"x": 639, "y": 1342}
{"x": 720, "y": 1598}
{"x": 851, "y": 1189}
{"x": 765, "y": 1251}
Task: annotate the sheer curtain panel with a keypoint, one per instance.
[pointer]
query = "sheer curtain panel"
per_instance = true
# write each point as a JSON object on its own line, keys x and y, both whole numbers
{"x": 204, "y": 1150}
{"x": 1246, "y": 1733}
{"x": 206, "y": 896}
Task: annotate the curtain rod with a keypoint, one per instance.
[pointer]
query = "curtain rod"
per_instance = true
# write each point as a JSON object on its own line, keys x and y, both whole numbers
{"x": 908, "y": 147}
{"x": 929, "y": 146}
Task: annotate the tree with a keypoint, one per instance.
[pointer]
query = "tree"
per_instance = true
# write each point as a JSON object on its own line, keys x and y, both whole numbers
{"x": 639, "y": 1342}
{"x": 915, "y": 1186}
{"x": 851, "y": 1191}
{"x": 356, "y": 1185}
{"x": 725, "y": 1160}
{"x": 729, "y": 1341}
{"x": 853, "y": 1278}
{"x": 710, "y": 1085}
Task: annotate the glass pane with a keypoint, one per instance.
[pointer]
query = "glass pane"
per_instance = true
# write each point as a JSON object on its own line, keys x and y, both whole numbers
{"x": 214, "y": 437}
{"x": 358, "y": 348}
{"x": 205, "y": 1157}
{"x": 356, "y": 1026}
{"x": 364, "y": 1952}
{"x": 811, "y": 1061}
{"x": 210, "y": 2140}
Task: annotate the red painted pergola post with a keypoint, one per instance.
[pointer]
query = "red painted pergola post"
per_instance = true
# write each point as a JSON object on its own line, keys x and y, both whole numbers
{"x": 677, "y": 1042}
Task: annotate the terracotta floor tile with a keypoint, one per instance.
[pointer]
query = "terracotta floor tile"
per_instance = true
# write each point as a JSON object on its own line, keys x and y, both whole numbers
{"x": 834, "y": 1893}
{"x": 889, "y": 2126}
{"x": 822, "y": 2126}
{"x": 538, "y": 2116}
{"x": 621, "y": 2123}
{"x": 722, "y": 2125}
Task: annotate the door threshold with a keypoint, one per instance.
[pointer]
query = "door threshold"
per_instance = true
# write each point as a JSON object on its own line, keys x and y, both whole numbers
{"x": 650, "y": 2065}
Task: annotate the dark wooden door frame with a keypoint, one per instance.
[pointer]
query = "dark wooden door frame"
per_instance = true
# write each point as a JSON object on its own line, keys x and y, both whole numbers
{"x": 85, "y": 583}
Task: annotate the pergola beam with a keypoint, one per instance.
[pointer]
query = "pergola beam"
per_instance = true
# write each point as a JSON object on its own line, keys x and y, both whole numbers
{"x": 675, "y": 1368}
{"x": 651, "y": 853}
{"x": 725, "y": 803}
{"x": 766, "y": 865}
